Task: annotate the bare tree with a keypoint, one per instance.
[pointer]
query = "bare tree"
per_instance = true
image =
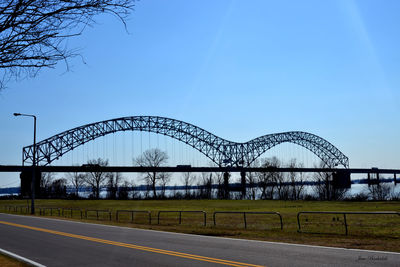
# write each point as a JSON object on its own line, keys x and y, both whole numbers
{"x": 252, "y": 184}
{"x": 45, "y": 184}
{"x": 267, "y": 181}
{"x": 96, "y": 179}
{"x": 282, "y": 186}
{"x": 113, "y": 182}
{"x": 58, "y": 188}
{"x": 123, "y": 191}
{"x": 251, "y": 179}
{"x": 165, "y": 178}
{"x": 152, "y": 158}
{"x": 296, "y": 180}
{"x": 77, "y": 180}
{"x": 324, "y": 187}
{"x": 187, "y": 180}
{"x": 33, "y": 33}
{"x": 380, "y": 191}
{"x": 219, "y": 179}
{"x": 205, "y": 185}
{"x": 395, "y": 195}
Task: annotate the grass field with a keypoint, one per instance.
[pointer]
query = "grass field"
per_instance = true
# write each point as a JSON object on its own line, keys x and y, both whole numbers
{"x": 6, "y": 261}
{"x": 377, "y": 232}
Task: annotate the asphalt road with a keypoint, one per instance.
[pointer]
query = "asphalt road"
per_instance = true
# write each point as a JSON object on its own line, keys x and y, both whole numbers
{"x": 54, "y": 242}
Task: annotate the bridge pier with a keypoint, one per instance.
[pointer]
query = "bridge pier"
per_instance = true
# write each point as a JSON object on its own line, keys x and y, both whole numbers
{"x": 26, "y": 183}
{"x": 226, "y": 185}
{"x": 341, "y": 179}
{"x": 374, "y": 179}
{"x": 243, "y": 184}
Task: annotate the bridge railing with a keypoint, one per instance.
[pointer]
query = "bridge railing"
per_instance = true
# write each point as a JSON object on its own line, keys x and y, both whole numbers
{"x": 132, "y": 212}
{"x": 344, "y": 213}
{"x": 245, "y": 213}
{"x": 98, "y": 212}
{"x": 180, "y": 214}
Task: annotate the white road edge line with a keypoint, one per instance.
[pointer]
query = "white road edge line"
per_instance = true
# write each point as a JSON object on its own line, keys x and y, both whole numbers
{"x": 216, "y": 237}
{"x": 20, "y": 258}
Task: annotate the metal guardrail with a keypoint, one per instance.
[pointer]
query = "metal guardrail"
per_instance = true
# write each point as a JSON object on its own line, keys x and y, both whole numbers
{"x": 132, "y": 214}
{"x": 344, "y": 213}
{"x": 15, "y": 208}
{"x": 97, "y": 213}
{"x": 27, "y": 208}
{"x": 180, "y": 214}
{"x": 71, "y": 210}
{"x": 8, "y": 208}
{"x": 48, "y": 208}
{"x": 244, "y": 215}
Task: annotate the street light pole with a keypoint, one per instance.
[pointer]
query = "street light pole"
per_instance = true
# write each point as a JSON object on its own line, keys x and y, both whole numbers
{"x": 33, "y": 184}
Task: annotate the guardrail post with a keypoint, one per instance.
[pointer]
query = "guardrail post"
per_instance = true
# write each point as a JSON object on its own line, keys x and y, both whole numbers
{"x": 298, "y": 222}
{"x": 345, "y": 222}
{"x": 180, "y": 217}
{"x": 205, "y": 218}
{"x": 214, "y": 218}
{"x": 158, "y": 219}
{"x": 245, "y": 222}
{"x": 280, "y": 217}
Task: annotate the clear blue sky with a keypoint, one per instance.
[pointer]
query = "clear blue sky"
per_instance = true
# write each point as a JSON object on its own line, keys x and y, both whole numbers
{"x": 239, "y": 69}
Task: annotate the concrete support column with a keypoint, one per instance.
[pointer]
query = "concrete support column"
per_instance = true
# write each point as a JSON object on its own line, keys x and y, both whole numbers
{"x": 226, "y": 185}
{"x": 243, "y": 184}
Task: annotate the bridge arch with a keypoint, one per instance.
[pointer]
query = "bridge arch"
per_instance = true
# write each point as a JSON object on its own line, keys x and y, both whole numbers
{"x": 219, "y": 150}
{"x": 327, "y": 152}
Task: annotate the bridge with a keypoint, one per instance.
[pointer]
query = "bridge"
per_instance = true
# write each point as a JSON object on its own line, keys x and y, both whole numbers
{"x": 222, "y": 152}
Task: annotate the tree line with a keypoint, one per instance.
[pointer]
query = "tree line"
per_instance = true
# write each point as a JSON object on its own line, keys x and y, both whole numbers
{"x": 259, "y": 185}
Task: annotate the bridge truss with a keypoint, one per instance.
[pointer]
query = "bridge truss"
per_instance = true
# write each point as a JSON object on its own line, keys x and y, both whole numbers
{"x": 222, "y": 152}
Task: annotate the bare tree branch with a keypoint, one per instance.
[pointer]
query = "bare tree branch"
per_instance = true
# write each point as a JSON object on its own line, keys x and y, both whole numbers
{"x": 153, "y": 158}
{"x": 33, "y": 33}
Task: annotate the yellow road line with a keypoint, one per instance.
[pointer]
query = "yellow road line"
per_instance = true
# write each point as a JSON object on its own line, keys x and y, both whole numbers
{"x": 132, "y": 246}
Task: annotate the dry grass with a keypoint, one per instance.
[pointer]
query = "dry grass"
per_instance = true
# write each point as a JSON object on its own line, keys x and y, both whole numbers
{"x": 6, "y": 261}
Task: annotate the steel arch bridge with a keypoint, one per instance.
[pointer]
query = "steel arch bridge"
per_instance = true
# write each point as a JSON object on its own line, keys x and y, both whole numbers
{"x": 222, "y": 152}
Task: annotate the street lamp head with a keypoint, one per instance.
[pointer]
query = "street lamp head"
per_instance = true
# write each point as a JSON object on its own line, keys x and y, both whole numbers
{"x": 17, "y": 114}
